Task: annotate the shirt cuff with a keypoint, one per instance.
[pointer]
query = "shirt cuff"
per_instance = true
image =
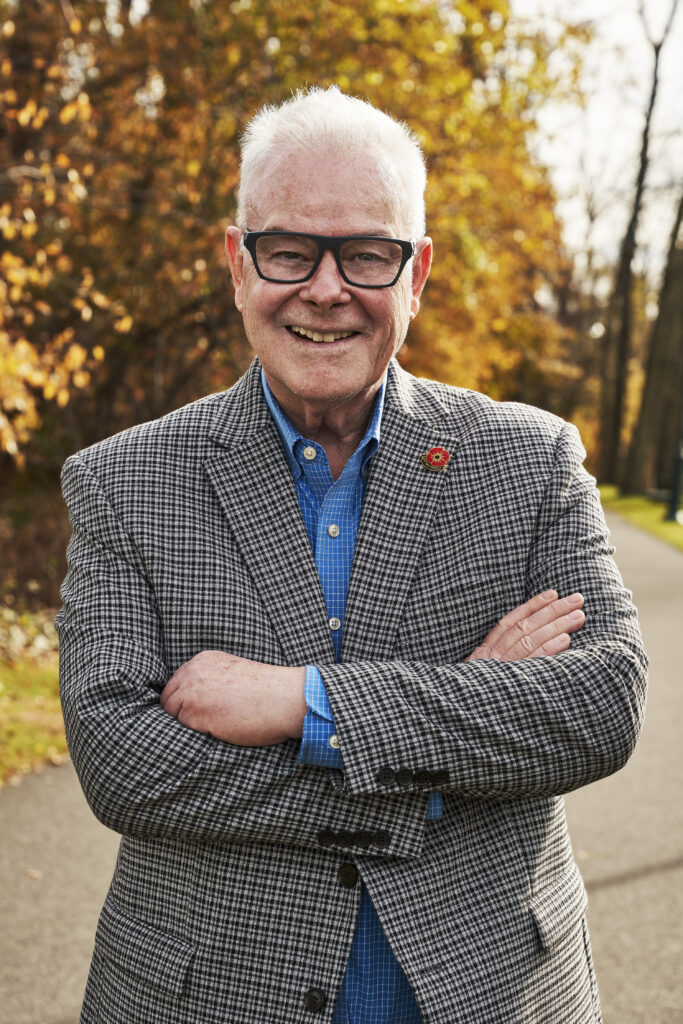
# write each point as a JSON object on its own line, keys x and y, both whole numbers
{"x": 435, "y": 805}
{"x": 318, "y": 742}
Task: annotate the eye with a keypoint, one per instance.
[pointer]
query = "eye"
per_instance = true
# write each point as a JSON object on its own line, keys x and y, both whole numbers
{"x": 370, "y": 252}
{"x": 285, "y": 249}
{"x": 287, "y": 254}
{"x": 368, "y": 257}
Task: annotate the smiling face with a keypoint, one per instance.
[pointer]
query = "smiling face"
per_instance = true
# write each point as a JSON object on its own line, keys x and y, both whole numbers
{"x": 324, "y": 344}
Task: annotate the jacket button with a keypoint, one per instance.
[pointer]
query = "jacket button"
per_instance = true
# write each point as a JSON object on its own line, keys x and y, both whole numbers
{"x": 385, "y": 777}
{"x": 326, "y": 837}
{"x": 364, "y": 839}
{"x": 348, "y": 875}
{"x": 382, "y": 839}
{"x": 440, "y": 777}
{"x": 423, "y": 777}
{"x": 314, "y": 1000}
{"x": 345, "y": 838}
{"x": 404, "y": 777}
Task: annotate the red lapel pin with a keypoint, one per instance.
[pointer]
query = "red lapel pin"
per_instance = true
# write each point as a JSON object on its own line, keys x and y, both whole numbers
{"x": 436, "y": 459}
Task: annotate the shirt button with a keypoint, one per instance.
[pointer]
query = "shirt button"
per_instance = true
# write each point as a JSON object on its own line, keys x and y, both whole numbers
{"x": 309, "y": 452}
{"x": 334, "y": 624}
{"x": 334, "y": 741}
{"x": 333, "y": 530}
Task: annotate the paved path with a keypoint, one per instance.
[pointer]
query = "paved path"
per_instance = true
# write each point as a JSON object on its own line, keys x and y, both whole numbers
{"x": 627, "y": 830}
{"x": 56, "y": 860}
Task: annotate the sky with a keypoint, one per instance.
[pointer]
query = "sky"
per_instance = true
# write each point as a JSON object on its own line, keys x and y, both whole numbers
{"x": 597, "y": 149}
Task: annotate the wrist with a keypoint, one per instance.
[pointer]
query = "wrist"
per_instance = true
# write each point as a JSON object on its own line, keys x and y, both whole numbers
{"x": 296, "y": 702}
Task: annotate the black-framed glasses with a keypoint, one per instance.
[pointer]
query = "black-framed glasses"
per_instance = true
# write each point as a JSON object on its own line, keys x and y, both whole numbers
{"x": 364, "y": 261}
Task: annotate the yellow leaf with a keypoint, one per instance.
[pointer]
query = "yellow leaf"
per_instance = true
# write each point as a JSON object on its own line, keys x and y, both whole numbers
{"x": 124, "y": 324}
{"x": 193, "y": 168}
{"x": 75, "y": 357}
{"x": 68, "y": 113}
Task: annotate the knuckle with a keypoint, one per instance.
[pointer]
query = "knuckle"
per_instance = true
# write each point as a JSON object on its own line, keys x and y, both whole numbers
{"x": 526, "y": 644}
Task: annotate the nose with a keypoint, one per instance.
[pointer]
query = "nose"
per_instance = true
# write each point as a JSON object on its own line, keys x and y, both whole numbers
{"x": 327, "y": 287}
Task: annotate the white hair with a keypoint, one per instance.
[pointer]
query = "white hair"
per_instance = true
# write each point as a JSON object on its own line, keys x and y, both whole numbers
{"x": 327, "y": 119}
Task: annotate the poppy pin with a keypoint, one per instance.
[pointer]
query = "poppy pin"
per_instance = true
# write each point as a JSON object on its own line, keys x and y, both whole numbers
{"x": 436, "y": 459}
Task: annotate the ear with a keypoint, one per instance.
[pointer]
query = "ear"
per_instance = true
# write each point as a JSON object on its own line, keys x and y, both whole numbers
{"x": 422, "y": 262}
{"x": 235, "y": 254}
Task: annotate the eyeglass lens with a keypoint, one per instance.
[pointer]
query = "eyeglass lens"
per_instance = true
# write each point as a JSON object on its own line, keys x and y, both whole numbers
{"x": 364, "y": 261}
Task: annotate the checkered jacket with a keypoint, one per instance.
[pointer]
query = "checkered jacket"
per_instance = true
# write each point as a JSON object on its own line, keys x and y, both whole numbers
{"x": 227, "y": 904}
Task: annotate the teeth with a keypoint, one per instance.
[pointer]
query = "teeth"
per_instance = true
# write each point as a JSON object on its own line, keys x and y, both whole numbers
{"x": 317, "y": 336}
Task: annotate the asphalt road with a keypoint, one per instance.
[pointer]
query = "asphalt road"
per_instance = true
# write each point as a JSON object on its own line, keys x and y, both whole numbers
{"x": 56, "y": 859}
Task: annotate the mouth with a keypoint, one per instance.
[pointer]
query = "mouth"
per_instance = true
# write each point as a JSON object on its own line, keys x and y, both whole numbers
{"x": 322, "y": 337}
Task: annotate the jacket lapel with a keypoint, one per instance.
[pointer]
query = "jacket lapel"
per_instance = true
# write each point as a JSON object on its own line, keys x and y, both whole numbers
{"x": 401, "y": 501}
{"x": 252, "y": 480}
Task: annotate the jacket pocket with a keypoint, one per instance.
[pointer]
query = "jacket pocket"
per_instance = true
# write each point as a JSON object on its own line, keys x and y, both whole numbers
{"x": 559, "y": 907}
{"x": 157, "y": 958}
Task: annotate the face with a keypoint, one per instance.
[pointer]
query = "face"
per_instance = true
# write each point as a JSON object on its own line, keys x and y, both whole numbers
{"x": 361, "y": 328}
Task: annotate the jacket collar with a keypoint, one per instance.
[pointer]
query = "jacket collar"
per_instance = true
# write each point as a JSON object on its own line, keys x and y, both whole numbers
{"x": 252, "y": 479}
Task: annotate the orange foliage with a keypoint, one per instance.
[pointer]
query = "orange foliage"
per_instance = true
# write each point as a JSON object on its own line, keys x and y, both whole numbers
{"x": 121, "y": 151}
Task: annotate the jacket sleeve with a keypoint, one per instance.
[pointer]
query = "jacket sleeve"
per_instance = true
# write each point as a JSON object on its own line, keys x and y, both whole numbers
{"x": 143, "y": 773}
{"x": 493, "y": 729}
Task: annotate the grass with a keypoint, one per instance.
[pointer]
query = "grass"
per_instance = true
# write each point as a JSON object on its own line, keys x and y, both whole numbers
{"x": 31, "y": 726}
{"x": 645, "y": 513}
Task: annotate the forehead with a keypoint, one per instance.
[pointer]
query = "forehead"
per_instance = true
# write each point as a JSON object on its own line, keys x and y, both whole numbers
{"x": 325, "y": 193}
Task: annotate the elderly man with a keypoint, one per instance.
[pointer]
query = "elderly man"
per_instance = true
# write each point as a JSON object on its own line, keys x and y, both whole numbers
{"x": 324, "y": 660}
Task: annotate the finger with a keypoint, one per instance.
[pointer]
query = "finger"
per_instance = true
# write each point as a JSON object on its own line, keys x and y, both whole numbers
{"x": 517, "y": 615}
{"x": 522, "y": 631}
{"x": 555, "y": 646}
{"x": 532, "y": 644}
{"x": 170, "y": 697}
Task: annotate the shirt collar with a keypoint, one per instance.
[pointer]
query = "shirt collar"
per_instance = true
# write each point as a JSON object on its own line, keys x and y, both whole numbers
{"x": 289, "y": 435}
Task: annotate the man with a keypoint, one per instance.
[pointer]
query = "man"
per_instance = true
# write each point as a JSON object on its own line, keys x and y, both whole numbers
{"x": 316, "y": 668}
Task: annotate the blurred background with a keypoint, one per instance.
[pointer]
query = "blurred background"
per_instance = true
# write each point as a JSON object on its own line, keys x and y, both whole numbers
{"x": 554, "y": 143}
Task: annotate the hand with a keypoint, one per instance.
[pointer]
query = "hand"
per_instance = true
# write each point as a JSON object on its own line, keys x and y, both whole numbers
{"x": 237, "y": 700}
{"x": 541, "y": 626}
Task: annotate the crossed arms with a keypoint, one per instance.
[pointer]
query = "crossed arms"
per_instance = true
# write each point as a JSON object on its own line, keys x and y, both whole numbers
{"x": 253, "y": 704}
{"x": 504, "y": 722}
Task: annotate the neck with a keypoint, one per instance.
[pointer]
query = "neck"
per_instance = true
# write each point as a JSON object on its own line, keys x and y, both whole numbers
{"x": 337, "y": 427}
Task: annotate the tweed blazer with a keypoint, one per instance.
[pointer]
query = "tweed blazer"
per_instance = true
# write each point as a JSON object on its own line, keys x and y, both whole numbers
{"x": 226, "y": 903}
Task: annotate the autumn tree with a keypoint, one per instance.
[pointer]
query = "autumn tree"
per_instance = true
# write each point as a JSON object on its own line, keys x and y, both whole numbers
{"x": 120, "y": 149}
{"x": 122, "y": 154}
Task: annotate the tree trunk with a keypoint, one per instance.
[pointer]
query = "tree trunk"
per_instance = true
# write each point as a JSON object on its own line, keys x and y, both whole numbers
{"x": 617, "y": 342}
{"x": 655, "y": 439}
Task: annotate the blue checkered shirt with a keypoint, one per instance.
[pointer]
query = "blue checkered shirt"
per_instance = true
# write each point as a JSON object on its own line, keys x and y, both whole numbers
{"x": 374, "y": 989}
